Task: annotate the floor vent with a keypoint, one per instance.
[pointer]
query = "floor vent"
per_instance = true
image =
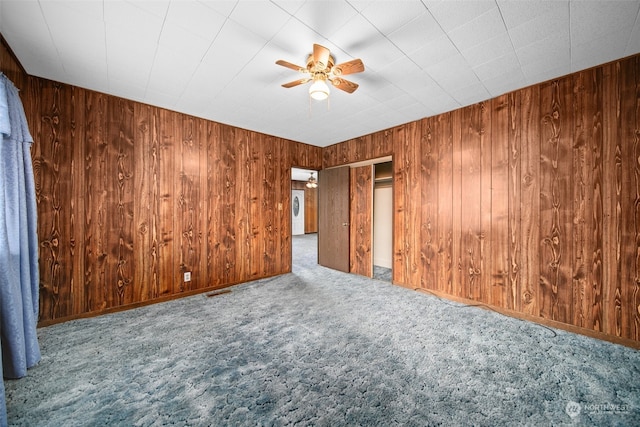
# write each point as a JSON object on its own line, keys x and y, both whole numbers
{"x": 216, "y": 293}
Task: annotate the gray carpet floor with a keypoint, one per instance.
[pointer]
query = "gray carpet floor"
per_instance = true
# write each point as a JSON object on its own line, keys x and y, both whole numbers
{"x": 321, "y": 348}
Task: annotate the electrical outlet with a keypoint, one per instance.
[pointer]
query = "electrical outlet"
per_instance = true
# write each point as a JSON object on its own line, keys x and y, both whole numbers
{"x": 187, "y": 276}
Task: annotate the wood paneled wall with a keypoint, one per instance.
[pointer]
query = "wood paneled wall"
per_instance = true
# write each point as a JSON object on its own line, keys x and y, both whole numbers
{"x": 528, "y": 202}
{"x": 361, "y": 220}
{"x": 372, "y": 146}
{"x": 132, "y": 196}
{"x": 10, "y": 66}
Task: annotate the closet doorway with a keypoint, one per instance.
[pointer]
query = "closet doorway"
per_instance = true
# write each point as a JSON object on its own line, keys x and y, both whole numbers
{"x": 355, "y": 225}
{"x": 383, "y": 221}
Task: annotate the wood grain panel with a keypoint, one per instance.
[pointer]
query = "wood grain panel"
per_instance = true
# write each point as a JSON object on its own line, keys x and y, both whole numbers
{"x": 95, "y": 176}
{"x": 627, "y": 321}
{"x": 514, "y": 279}
{"x": 407, "y": 216}
{"x": 367, "y": 147}
{"x": 612, "y": 174}
{"x": 530, "y": 200}
{"x": 634, "y": 308}
{"x": 216, "y": 190}
{"x": 228, "y": 222}
{"x": 145, "y": 242}
{"x": 304, "y": 155}
{"x": 582, "y": 200}
{"x": 443, "y": 134}
{"x": 457, "y": 204}
{"x": 265, "y": 205}
{"x": 471, "y": 179}
{"x": 554, "y": 199}
{"x": 54, "y": 190}
{"x": 634, "y": 126}
{"x": 167, "y": 176}
{"x": 187, "y": 216}
{"x": 593, "y": 117}
{"x": 330, "y": 156}
{"x": 429, "y": 206}
{"x": 361, "y": 222}
{"x": 202, "y": 246}
{"x": 381, "y": 144}
{"x": 495, "y": 176}
{"x": 77, "y": 205}
{"x": 243, "y": 206}
{"x": 283, "y": 202}
{"x": 121, "y": 131}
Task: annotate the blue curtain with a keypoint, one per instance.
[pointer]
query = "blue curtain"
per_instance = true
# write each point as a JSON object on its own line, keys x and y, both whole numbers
{"x": 19, "y": 277}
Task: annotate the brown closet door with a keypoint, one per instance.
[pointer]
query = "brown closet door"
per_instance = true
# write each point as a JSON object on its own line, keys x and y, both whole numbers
{"x": 333, "y": 218}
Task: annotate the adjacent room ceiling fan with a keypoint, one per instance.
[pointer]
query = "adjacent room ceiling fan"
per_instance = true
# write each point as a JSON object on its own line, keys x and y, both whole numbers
{"x": 321, "y": 68}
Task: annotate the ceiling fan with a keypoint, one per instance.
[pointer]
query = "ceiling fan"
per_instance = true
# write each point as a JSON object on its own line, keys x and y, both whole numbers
{"x": 321, "y": 67}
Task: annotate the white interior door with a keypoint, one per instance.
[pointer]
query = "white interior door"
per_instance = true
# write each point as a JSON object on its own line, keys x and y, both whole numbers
{"x": 297, "y": 212}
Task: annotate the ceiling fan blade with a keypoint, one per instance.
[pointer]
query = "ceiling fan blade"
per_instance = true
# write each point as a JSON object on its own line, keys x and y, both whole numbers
{"x": 296, "y": 83}
{"x": 344, "y": 85}
{"x": 320, "y": 57}
{"x": 349, "y": 67}
{"x": 290, "y": 65}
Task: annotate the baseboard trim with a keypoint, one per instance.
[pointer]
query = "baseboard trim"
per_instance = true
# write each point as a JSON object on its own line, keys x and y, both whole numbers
{"x": 534, "y": 319}
{"x": 161, "y": 299}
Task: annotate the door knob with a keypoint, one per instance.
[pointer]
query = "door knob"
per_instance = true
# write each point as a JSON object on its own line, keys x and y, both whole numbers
{"x": 344, "y": 224}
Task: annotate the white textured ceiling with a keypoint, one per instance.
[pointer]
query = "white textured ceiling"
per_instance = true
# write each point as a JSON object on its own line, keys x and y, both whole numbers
{"x": 216, "y": 59}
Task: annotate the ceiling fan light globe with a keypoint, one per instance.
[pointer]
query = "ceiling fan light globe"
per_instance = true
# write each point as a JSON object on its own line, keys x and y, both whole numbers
{"x": 319, "y": 90}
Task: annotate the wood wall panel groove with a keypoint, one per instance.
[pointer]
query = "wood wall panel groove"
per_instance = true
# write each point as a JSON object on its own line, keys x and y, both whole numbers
{"x": 491, "y": 138}
{"x": 457, "y": 204}
{"x": 594, "y": 291}
{"x": 429, "y": 198}
{"x": 514, "y": 191}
